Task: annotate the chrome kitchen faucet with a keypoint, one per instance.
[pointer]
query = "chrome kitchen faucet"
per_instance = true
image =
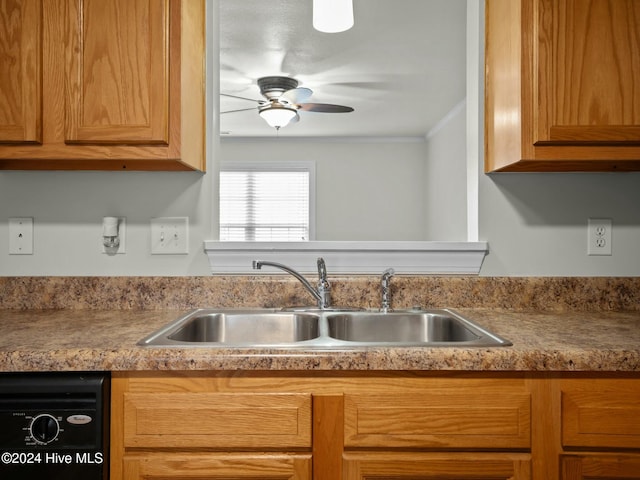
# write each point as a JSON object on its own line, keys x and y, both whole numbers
{"x": 322, "y": 293}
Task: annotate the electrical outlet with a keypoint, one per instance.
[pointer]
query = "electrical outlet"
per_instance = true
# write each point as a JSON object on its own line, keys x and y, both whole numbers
{"x": 21, "y": 236}
{"x": 169, "y": 236}
{"x": 599, "y": 236}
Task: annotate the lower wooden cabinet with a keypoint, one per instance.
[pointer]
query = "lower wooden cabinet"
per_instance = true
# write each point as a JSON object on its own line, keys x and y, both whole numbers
{"x": 374, "y": 426}
{"x": 600, "y": 429}
{"x": 461, "y": 466}
{"x": 185, "y": 427}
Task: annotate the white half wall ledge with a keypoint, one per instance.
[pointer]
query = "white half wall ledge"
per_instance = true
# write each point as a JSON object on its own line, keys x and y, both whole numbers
{"x": 350, "y": 257}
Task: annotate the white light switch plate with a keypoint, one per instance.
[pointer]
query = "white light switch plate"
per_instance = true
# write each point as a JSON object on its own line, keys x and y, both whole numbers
{"x": 170, "y": 236}
{"x": 21, "y": 236}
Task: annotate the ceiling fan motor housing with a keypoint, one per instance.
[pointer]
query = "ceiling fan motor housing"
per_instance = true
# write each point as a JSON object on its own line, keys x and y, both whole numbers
{"x": 273, "y": 87}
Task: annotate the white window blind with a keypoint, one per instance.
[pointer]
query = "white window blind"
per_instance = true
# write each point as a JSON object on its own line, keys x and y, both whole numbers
{"x": 264, "y": 205}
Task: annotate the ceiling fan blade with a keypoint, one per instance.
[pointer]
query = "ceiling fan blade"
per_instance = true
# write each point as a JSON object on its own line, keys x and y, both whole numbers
{"x": 239, "y": 110}
{"x": 241, "y": 98}
{"x": 324, "y": 108}
{"x": 296, "y": 95}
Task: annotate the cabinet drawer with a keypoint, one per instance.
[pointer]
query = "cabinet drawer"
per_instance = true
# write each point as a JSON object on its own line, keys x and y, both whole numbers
{"x": 599, "y": 466}
{"x": 606, "y": 414}
{"x": 217, "y": 420}
{"x": 436, "y": 465}
{"x": 439, "y": 420}
{"x": 217, "y": 466}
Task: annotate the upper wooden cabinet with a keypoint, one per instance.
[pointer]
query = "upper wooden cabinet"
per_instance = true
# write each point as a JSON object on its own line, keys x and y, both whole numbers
{"x": 562, "y": 85}
{"x": 102, "y": 84}
{"x": 20, "y": 75}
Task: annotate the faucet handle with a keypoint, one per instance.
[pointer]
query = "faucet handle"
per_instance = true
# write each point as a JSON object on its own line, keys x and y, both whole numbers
{"x": 322, "y": 270}
{"x": 324, "y": 287}
{"x": 386, "y": 276}
{"x": 323, "y": 282}
{"x": 385, "y": 283}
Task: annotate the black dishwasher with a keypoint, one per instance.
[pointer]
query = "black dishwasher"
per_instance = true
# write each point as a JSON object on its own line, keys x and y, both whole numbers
{"x": 54, "y": 426}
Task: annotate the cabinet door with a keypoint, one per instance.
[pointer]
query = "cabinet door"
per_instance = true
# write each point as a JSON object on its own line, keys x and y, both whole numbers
{"x": 562, "y": 85}
{"x": 600, "y": 467}
{"x": 217, "y": 467}
{"x": 589, "y": 72}
{"x": 21, "y": 74}
{"x": 409, "y": 466}
{"x": 118, "y": 72}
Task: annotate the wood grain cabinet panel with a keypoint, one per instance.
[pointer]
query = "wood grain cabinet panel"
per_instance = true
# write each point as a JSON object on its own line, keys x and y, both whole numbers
{"x": 118, "y": 90}
{"x": 412, "y": 466}
{"x": 21, "y": 71}
{"x": 562, "y": 85}
{"x": 226, "y": 466}
{"x": 600, "y": 467}
{"x": 217, "y": 420}
{"x": 102, "y": 85}
{"x": 591, "y": 71}
{"x": 603, "y": 417}
{"x": 445, "y": 419}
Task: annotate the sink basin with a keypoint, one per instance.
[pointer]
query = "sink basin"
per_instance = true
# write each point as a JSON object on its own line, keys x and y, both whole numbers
{"x": 421, "y": 327}
{"x": 226, "y": 328}
{"x": 316, "y": 329}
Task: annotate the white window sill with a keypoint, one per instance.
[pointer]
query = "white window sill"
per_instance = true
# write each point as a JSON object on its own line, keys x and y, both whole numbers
{"x": 349, "y": 257}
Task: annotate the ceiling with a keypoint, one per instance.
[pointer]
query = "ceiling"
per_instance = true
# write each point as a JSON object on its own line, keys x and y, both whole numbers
{"x": 401, "y": 67}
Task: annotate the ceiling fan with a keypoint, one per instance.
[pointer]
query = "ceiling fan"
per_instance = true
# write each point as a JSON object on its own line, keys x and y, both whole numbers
{"x": 283, "y": 100}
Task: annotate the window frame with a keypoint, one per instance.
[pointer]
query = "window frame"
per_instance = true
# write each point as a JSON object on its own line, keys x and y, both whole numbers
{"x": 278, "y": 166}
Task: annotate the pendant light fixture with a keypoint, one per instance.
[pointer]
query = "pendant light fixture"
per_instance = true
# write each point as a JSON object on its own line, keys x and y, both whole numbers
{"x": 332, "y": 16}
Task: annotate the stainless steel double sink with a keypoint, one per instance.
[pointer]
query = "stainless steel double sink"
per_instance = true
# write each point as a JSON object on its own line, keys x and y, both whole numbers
{"x": 311, "y": 329}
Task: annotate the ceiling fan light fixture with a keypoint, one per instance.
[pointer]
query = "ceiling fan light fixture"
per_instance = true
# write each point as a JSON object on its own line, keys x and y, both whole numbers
{"x": 332, "y": 16}
{"x": 278, "y": 116}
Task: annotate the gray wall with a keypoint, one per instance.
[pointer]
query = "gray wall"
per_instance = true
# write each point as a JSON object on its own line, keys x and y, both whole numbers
{"x": 536, "y": 224}
{"x": 365, "y": 189}
{"x": 445, "y": 187}
{"x": 68, "y": 207}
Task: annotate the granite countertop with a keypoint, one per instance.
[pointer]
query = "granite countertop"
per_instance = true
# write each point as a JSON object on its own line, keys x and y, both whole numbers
{"x": 58, "y": 340}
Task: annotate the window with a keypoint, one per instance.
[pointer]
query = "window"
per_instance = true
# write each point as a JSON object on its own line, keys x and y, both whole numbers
{"x": 266, "y": 203}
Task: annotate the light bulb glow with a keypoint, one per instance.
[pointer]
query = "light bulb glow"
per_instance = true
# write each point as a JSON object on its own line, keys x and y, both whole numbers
{"x": 278, "y": 116}
{"x": 332, "y": 16}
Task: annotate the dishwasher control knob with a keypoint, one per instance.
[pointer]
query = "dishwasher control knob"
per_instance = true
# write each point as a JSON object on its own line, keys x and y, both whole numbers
{"x": 44, "y": 429}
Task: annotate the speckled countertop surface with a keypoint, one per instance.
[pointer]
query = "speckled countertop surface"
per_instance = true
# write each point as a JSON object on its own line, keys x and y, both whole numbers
{"x": 93, "y": 323}
{"x": 69, "y": 339}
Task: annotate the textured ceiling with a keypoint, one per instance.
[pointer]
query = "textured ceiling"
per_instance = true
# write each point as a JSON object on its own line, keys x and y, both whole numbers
{"x": 401, "y": 67}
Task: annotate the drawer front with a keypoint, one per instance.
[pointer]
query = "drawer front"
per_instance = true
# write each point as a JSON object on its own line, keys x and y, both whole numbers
{"x": 439, "y": 420}
{"x": 594, "y": 466}
{"x": 218, "y": 466}
{"x": 602, "y": 413}
{"x": 217, "y": 420}
{"x": 436, "y": 465}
